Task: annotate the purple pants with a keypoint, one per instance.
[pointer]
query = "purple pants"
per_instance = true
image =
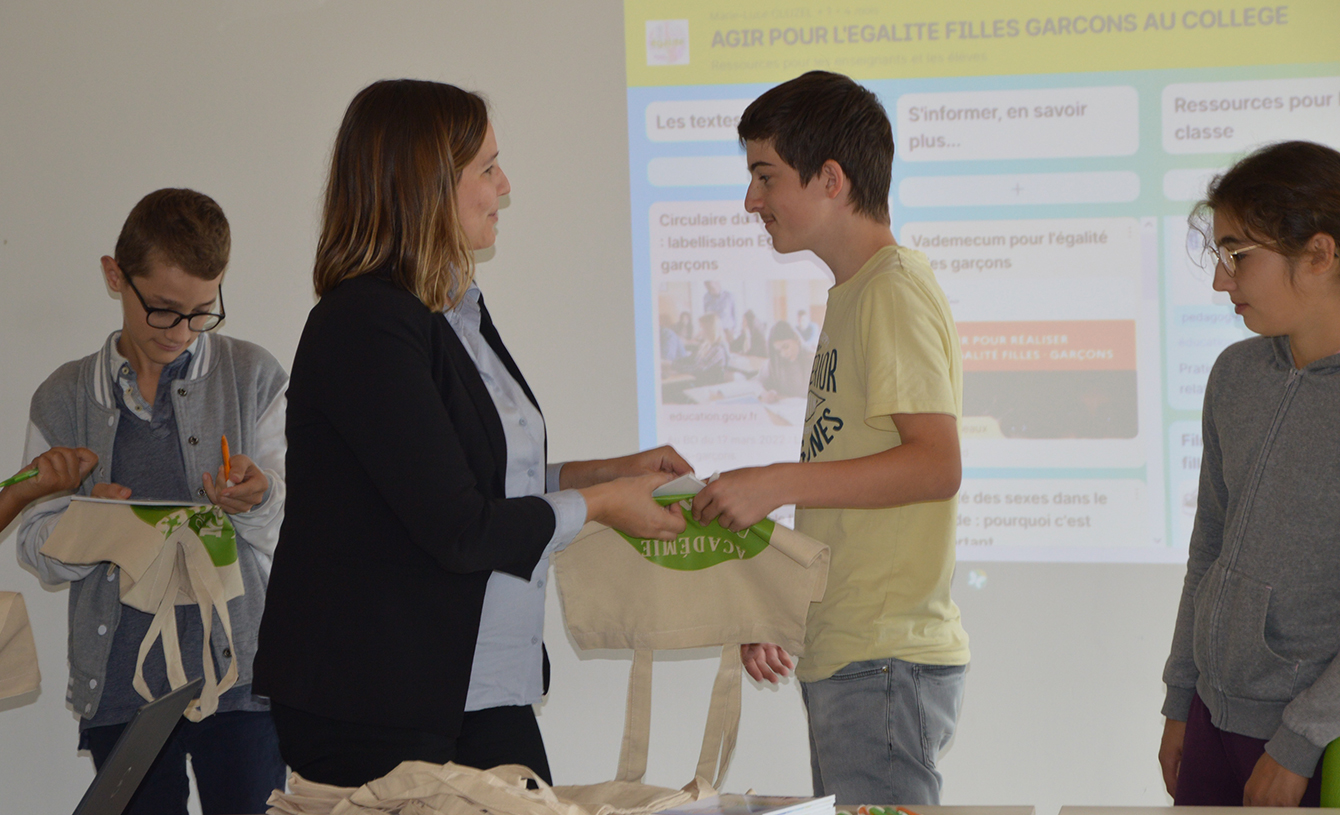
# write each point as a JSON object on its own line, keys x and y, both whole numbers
{"x": 1216, "y": 764}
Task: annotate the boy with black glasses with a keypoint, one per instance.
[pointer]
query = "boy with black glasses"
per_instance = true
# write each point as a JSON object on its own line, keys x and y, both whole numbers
{"x": 153, "y": 404}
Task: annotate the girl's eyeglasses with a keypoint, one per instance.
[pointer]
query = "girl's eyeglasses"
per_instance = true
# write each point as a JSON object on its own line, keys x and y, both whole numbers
{"x": 1229, "y": 257}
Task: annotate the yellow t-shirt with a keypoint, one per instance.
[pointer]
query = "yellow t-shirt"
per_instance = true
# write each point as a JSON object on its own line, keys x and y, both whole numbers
{"x": 888, "y": 346}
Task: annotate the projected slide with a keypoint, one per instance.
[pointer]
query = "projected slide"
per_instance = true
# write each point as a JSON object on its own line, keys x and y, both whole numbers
{"x": 1047, "y": 156}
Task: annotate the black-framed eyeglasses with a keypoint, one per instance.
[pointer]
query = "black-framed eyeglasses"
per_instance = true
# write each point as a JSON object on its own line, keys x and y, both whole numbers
{"x": 168, "y": 318}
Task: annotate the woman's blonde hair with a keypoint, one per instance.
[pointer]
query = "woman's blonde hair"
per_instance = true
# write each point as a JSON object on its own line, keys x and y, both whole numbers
{"x": 391, "y": 197}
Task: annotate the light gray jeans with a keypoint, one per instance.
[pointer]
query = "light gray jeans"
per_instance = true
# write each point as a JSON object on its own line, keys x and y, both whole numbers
{"x": 877, "y": 728}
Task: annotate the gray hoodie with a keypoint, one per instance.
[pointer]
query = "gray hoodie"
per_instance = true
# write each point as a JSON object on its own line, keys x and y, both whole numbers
{"x": 1258, "y": 628}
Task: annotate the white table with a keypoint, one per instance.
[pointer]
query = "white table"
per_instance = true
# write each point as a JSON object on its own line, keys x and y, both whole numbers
{"x": 952, "y": 810}
{"x": 1073, "y": 810}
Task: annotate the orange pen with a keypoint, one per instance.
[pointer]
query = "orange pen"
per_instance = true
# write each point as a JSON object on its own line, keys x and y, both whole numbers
{"x": 227, "y": 459}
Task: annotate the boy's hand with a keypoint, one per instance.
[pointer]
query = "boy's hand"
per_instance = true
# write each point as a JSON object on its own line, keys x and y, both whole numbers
{"x": 59, "y": 469}
{"x": 113, "y": 491}
{"x": 1273, "y": 786}
{"x": 766, "y": 662}
{"x": 738, "y": 499}
{"x": 243, "y": 490}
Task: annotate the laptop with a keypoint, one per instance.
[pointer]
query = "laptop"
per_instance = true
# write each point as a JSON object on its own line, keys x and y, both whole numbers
{"x": 135, "y": 751}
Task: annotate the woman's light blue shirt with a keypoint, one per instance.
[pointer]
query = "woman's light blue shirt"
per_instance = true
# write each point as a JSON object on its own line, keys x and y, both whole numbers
{"x": 508, "y": 656}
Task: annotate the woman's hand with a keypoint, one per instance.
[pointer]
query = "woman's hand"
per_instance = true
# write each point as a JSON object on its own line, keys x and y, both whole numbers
{"x": 243, "y": 489}
{"x": 626, "y": 504}
{"x": 663, "y": 459}
{"x": 1170, "y": 753}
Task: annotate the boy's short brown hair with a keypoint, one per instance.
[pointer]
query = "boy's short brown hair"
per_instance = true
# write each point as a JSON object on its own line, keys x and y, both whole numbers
{"x": 176, "y": 227}
{"x": 820, "y": 116}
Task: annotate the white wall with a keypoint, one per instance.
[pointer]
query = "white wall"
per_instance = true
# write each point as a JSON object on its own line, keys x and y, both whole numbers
{"x": 105, "y": 101}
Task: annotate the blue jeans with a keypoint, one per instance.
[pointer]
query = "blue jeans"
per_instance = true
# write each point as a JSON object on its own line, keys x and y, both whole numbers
{"x": 234, "y": 755}
{"x": 877, "y": 728}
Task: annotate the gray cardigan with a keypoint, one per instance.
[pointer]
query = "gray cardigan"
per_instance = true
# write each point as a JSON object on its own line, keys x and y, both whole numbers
{"x": 231, "y": 387}
{"x": 1258, "y": 628}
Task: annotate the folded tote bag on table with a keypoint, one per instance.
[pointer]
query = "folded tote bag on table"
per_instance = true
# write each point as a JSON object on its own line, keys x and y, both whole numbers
{"x": 169, "y": 555}
{"x": 422, "y": 788}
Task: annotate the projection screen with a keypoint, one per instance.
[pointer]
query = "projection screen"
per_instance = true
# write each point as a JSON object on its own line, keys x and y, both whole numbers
{"x": 1047, "y": 156}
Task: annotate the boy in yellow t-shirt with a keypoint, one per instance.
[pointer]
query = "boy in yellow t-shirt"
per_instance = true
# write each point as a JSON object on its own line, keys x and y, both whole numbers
{"x": 885, "y": 654}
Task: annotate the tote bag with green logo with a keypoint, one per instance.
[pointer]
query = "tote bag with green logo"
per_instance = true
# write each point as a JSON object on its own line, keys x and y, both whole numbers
{"x": 708, "y": 587}
{"x": 169, "y": 555}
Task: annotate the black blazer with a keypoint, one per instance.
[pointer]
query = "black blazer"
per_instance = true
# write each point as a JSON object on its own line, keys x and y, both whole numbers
{"x": 395, "y": 515}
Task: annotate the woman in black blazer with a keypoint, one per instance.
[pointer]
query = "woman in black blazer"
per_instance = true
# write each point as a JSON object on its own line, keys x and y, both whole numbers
{"x": 398, "y": 463}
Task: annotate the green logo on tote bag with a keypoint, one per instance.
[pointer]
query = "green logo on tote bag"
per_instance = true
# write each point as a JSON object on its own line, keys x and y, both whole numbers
{"x": 701, "y": 546}
{"x": 210, "y": 524}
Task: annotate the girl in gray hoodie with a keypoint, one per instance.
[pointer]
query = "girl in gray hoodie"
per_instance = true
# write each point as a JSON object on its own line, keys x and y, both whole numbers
{"x": 1253, "y": 680}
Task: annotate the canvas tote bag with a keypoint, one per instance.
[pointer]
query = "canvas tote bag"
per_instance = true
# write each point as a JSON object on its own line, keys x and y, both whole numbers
{"x": 169, "y": 555}
{"x": 18, "y": 652}
{"x": 422, "y": 788}
{"x": 709, "y": 586}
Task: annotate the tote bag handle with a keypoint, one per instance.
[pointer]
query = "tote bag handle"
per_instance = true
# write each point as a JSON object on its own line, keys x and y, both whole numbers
{"x": 184, "y": 557}
{"x": 719, "y": 736}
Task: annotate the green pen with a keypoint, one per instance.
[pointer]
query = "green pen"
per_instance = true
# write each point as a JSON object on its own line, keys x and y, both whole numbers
{"x": 23, "y": 476}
